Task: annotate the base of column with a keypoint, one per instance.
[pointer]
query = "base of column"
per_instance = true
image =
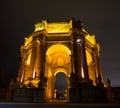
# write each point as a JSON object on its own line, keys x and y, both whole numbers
{"x": 28, "y": 95}
{"x": 86, "y": 81}
{"x": 87, "y": 94}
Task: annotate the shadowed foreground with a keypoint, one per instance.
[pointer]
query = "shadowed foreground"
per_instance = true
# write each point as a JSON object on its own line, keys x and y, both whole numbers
{"x": 48, "y": 105}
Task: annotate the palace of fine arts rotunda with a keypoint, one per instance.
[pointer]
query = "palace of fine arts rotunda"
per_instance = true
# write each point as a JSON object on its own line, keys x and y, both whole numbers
{"x": 60, "y": 62}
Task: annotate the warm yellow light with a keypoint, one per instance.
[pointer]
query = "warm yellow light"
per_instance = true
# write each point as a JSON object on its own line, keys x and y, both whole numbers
{"x": 90, "y": 64}
{"x": 34, "y": 73}
{"x": 82, "y": 71}
{"x": 39, "y": 26}
{"x": 28, "y": 59}
{"x": 60, "y": 70}
{"x": 58, "y": 48}
{"x": 59, "y": 27}
{"x": 49, "y": 73}
{"x": 22, "y": 77}
{"x": 91, "y": 38}
{"x": 35, "y": 82}
{"x": 89, "y": 57}
{"x": 27, "y": 40}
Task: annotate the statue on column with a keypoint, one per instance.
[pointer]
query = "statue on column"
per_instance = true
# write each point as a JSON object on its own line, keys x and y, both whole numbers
{"x": 99, "y": 81}
{"x": 110, "y": 94}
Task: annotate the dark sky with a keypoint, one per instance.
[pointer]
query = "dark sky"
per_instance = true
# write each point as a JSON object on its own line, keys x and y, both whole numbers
{"x": 99, "y": 17}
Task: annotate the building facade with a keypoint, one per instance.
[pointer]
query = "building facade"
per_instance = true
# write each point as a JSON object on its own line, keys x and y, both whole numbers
{"x": 60, "y": 48}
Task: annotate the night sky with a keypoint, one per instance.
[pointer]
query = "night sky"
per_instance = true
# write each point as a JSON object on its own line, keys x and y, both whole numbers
{"x": 99, "y": 17}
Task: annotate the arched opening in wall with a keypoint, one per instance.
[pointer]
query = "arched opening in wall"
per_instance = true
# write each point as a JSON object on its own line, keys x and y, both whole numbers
{"x": 58, "y": 60}
{"x": 60, "y": 85}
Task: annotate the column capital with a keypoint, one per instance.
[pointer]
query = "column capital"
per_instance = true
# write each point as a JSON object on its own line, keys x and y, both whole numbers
{"x": 96, "y": 50}
{"x": 79, "y": 32}
{"x": 80, "y": 41}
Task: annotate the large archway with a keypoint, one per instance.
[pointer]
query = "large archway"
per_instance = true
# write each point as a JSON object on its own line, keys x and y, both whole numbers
{"x": 60, "y": 86}
{"x": 58, "y": 63}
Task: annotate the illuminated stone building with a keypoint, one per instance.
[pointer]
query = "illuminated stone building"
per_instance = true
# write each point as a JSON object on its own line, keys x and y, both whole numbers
{"x": 64, "y": 48}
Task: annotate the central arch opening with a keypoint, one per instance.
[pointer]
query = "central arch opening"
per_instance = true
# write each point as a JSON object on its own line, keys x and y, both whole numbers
{"x": 57, "y": 71}
{"x": 60, "y": 85}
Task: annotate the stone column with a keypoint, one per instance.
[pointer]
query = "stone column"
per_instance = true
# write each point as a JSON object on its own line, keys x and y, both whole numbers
{"x": 42, "y": 56}
{"x": 22, "y": 67}
{"x": 36, "y": 70}
{"x": 39, "y": 57}
{"x": 32, "y": 61}
{"x": 97, "y": 62}
{"x": 83, "y": 61}
{"x": 80, "y": 62}
{"x": 94, "y": 67}
{"x": 21, "y": 72}
{"x": 75, "y": 61}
